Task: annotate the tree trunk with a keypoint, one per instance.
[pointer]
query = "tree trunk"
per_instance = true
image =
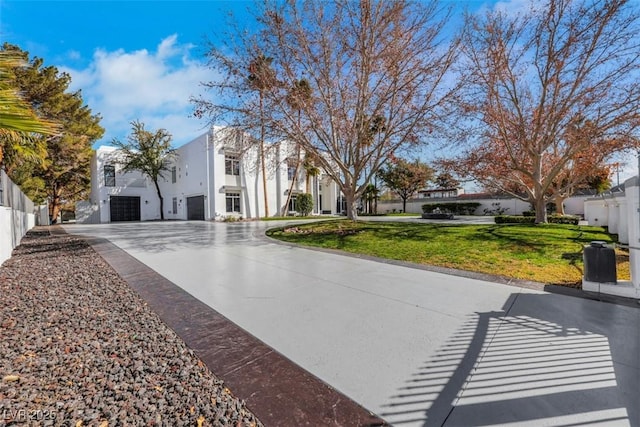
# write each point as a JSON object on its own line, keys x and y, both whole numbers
{"x": 285, "y": 209}
{"x": 161, "y": 200}
{"x": 55, "y": 205}
{"x": 559, "y": 205}
{"x": 55, "y": 209}
{"x": 404, "y": 205}
{"x": 262, "y": 160}
{"x": 352, "y": 207}
{"x": 540, "y": 206}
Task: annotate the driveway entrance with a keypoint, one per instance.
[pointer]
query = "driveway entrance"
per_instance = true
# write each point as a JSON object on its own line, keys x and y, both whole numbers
{"x": 413, "y": 346}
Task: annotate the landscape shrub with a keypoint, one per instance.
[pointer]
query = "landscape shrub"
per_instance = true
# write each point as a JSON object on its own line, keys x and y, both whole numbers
{"x": 552, "y": 219}
{"x": 465, "y": 208}
{"x": 514, "y": 219}
{"x": 304, "y": 203}
{"x": 563, "y": 219}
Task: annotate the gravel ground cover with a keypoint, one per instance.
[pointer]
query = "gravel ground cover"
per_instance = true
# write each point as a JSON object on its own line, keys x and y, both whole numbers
{"x": 78, "y": 347}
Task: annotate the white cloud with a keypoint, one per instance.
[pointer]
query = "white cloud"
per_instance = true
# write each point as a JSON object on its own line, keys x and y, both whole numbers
{"x": 509, "y": 7}
{"x": 515, "y": 7}
{"x": 153, "y": 87}
{"x": 73, "y": 55}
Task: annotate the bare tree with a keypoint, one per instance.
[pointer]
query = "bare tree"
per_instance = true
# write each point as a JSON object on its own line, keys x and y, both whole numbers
{"x": 547, "y": 91}
{"x": 375, "y": 68}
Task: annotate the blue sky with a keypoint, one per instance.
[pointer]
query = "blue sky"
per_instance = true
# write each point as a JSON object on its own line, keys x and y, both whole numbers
{"x": 141, "y": 60}
{"x": 133, "y": 59}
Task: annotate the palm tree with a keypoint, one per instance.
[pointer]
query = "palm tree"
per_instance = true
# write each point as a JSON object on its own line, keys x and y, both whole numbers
{"x": 298, "y": 95}
{"x": 310, "y": 170}
{"x": 262, "y": 77}
{"x": 20, "y": 128}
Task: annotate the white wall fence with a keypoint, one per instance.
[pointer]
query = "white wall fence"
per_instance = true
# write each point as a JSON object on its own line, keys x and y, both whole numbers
{"x": 17, "y": 215}
{"x": 619, "y": 212}
{"x": 509, "y": 206}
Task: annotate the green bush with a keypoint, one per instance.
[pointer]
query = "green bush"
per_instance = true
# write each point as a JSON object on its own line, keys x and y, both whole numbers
{"x": 563, "y": 219}
{"x": 467, "y": 208}
{"x": 514, "y": 219}
{"x": 529, "y": 213}
{"x": 552, "y": 219}
{"x": 304, "y": 203}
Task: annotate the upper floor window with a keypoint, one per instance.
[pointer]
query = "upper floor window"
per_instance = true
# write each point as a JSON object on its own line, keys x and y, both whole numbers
{"x": 173, "y": 174}
{"x": 231, "y": 165}
{"x": 109, "y": 176}
{"x": 291, "y": 170}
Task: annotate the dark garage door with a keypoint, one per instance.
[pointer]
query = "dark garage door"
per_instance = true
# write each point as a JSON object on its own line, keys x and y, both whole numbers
{"x": 195, "y": 208}
{"x": 124, "y": 208}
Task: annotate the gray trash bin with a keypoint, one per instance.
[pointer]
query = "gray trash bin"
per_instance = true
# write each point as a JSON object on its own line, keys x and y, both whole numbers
{"x": 599, "y": 263}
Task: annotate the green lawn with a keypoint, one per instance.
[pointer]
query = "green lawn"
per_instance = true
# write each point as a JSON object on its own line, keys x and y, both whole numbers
{"x": 550, "y": 253}
{"x": 288, "y": 218}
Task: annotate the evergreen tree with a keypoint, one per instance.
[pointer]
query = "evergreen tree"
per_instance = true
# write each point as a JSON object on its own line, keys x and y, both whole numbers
{"x": 65, "y": 175}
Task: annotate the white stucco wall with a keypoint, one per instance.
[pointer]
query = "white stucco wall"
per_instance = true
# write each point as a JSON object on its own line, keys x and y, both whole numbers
{"x": 631, "y": 194}
{"x": 596, "y": 211}
{"x": 17, "y": 216}
{"x": 133, "y": 184}
{"x": 613, "y": 216}
{"x": 623, "y": 219}
{"x": 512, "y": 206}
{"x": 200, "y": 171}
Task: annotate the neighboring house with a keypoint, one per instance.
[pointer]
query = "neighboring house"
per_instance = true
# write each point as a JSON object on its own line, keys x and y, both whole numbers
{"x": 439, "y": 193}
{"x": 208, "y": 179}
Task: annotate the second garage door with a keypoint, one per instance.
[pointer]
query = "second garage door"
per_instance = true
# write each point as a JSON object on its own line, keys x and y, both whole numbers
{"x": 124, "y": 208}
{"x": 195, "y": 208}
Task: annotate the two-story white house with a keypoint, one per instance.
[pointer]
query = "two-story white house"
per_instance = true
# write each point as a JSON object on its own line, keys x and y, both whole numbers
{"x": 211, "y": 177}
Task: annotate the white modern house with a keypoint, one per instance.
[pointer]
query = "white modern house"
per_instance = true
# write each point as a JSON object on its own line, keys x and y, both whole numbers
{"x": 211, "y": 178}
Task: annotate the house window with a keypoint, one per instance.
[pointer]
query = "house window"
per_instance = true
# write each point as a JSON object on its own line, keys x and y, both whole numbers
{"x": 291, "y": 170}
{"x": 173, "y": 175}
{"x": 175, "y": 204}
{"x": 109, "y": 176}
{"x": 233, "y": 202}
{"x": 231, "y": 165}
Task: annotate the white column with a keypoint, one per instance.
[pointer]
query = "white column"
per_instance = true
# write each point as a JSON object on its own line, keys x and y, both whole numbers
{"x": 612, "y": 214}
{"x": 623, "y": 218}
{"x": 631, "y": 192}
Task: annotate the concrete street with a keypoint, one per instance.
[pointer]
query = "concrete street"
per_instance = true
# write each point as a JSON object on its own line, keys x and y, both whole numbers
{"x": 413, "y": 346}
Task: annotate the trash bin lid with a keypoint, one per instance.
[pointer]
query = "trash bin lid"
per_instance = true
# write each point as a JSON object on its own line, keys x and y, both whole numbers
{"x": 598, "y": 244}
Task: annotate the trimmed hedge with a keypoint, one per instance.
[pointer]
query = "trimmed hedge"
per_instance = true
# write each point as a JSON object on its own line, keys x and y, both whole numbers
{"x": 552, "y": 219}
{"x": 467, "y": 208}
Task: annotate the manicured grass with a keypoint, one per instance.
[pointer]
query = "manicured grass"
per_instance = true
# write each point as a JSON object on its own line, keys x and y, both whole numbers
{"x": 402, "y": 214}
{"x": 550, "y": 253}
{"x": 289, "y": 218}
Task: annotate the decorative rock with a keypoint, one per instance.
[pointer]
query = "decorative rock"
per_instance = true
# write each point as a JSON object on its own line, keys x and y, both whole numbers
{"x": 78, "y": 341}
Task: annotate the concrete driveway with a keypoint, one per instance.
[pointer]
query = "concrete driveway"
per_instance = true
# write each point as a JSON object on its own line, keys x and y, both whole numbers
{"x": 413, "y": 346}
